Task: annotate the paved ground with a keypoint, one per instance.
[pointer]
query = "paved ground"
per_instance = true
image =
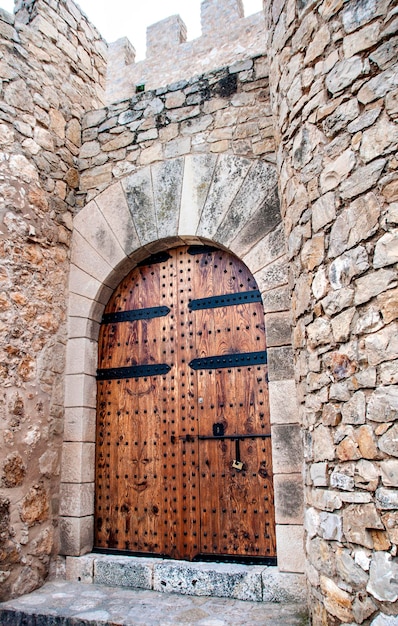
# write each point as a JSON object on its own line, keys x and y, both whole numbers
{"x": 75, "y": 604}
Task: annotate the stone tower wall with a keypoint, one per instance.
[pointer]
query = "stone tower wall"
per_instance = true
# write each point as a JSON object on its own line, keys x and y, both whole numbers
{"x": 334, "y": 92}
{"x": 52, "y": 67}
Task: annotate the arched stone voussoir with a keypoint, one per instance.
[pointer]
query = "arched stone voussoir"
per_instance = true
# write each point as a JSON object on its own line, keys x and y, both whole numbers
{"x": 254, "y": 211}
{"x": 114, "y": 207}
{"x": 94, "y": 228}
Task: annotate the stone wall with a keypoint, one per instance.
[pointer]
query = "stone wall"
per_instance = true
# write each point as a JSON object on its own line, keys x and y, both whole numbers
{"x": 52, "y": 70}
{"x": 227, "y": 37}
{"x": 334, "y": 89}
{"x": 225, "y": 111}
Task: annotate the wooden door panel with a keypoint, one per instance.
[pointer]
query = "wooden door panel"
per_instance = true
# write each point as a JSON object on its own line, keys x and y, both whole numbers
{"x": 165, "y": 485}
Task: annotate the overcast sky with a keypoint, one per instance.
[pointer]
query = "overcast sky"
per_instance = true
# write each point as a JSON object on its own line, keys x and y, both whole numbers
{"x": 129, "y": 18}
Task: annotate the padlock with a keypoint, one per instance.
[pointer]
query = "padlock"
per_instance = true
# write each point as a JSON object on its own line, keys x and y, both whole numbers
{"x": 238, "y": 465}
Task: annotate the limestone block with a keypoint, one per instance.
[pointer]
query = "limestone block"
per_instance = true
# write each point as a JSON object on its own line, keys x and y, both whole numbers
{"x": 283, "y": 402}
{"x": 323, "y": 445}
{"x": 93, "y": 227}
{"x": 364, "y": 121}
{"x": 362, "y": 179}
{"x": 254, "y": 212}
{"x": 82, "y": 284}
{"x": 282, "y": 587}
{"x": 280, "y": 363}
{"x": 80, "y": 307}
{"x": 387, "y": 498}
{"x": 76, "y": 535}
{"x": 113, "y": 205}
{"x": 276, "y": 299}
{"x": 79, "y": 424}
{"x": 360, "y": 40}
{"x": 229, "y": 175}
{"x": 139, "y": 195}
{"x": 325, "y": 500}
{"x": 323, "y": 211}
{"x": 347, "y": 266}
{"x": 389, "y": 373}
{"x": 358, "y": 14}
{"x": 385, "y": 620}
{"x": 287, "y": 449}
{"x": 358, "y": 519}
{"x": 378, "y": 86}
{"x": 353, "y": 411}
{"x": 177, "y": 147}
{"x": 337, "y": 171}
{"x": 290, "y": 548}
{"x": 373, "y": 284}
{"x": 319, "y": 474}
{"x": 331, "y": 526}
{"x": 389, "y": 473}
{"x": 319, "y": 332}
{"x": 383, "y": 572}
{"x": 81, "y": 357}
{"x": 270, "y": 248}
{"x": 85, "y": 257}
{"x": 209, "y": 579}
{"x": 386, "y": 251}
{"x": 383, "y": 405}
{"x": 341, "y": 325}
{"x": 167, "y": 178}
{"x": 78, "y": 462}
{"x": 121, "y": 571}
{"x": 76, "y": 500}
{"x": 80, "y": 390}
{"x": 344, "y": 73}
{"x": 388, "y": 305}
{"x": 278, "y": 329}
{"x": 80, "y": 569}
{"x": 273, "y": 275}
{"x": 382, "y": 345}
{"x": 378, "y": 140}
{"x": 289, "y": 503}
{"x": 96, "y": 177}
{"x": 337, "y": 601}
{"x": 198, "y": 174}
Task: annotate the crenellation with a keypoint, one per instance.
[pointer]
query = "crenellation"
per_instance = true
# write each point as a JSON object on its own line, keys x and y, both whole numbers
{"x": 165, "y": 35}
{"x": 224, "y": 28}
{"x": 216, "y": 13}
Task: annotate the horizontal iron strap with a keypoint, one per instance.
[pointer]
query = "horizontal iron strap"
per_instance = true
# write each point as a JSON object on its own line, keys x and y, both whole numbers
{"x": 230, "y": 299}
{"x": 194, "y": 250}
{"x": 159, "y": 257}
{"x": 229, "y": 360}
{"x": 135, "y": 314}
{"x": 135, "y": 371}
{"x": 235, "y": 437}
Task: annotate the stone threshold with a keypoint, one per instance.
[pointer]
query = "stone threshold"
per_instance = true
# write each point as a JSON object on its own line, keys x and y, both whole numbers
{"x": 63, "y": 603}
{"x": 255, "y": 583}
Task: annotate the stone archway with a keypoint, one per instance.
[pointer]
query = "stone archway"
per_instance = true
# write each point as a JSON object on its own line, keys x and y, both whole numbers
{"x": 225, "y": 200}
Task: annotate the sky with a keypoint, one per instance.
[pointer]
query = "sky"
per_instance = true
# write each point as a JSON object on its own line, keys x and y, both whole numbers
{"x": 130, "y": 18}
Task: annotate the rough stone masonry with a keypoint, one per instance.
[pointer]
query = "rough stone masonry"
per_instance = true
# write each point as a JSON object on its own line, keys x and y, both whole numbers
{"x": 322, "y": 105}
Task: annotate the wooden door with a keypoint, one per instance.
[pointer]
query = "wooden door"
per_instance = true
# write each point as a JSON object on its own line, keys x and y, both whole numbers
{"x": 183, "y": 462}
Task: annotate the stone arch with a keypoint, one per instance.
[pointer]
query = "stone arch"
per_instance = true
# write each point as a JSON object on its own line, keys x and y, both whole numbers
{"x": 224, "y": 200}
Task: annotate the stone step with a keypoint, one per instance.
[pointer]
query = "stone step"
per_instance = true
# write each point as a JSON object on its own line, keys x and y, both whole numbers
{"x": 255, "y": 583}
{"x": 63, "y": 603}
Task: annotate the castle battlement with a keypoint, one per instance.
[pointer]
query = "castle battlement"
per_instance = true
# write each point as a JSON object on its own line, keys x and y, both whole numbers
{"x": 227, "y": 36}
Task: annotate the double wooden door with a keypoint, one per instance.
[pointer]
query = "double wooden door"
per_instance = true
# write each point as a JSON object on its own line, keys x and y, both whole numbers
{"x": 183, "y": 454}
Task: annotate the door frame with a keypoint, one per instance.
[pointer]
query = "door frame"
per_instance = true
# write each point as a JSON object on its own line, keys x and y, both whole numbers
{"x": 102, "y": 254}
